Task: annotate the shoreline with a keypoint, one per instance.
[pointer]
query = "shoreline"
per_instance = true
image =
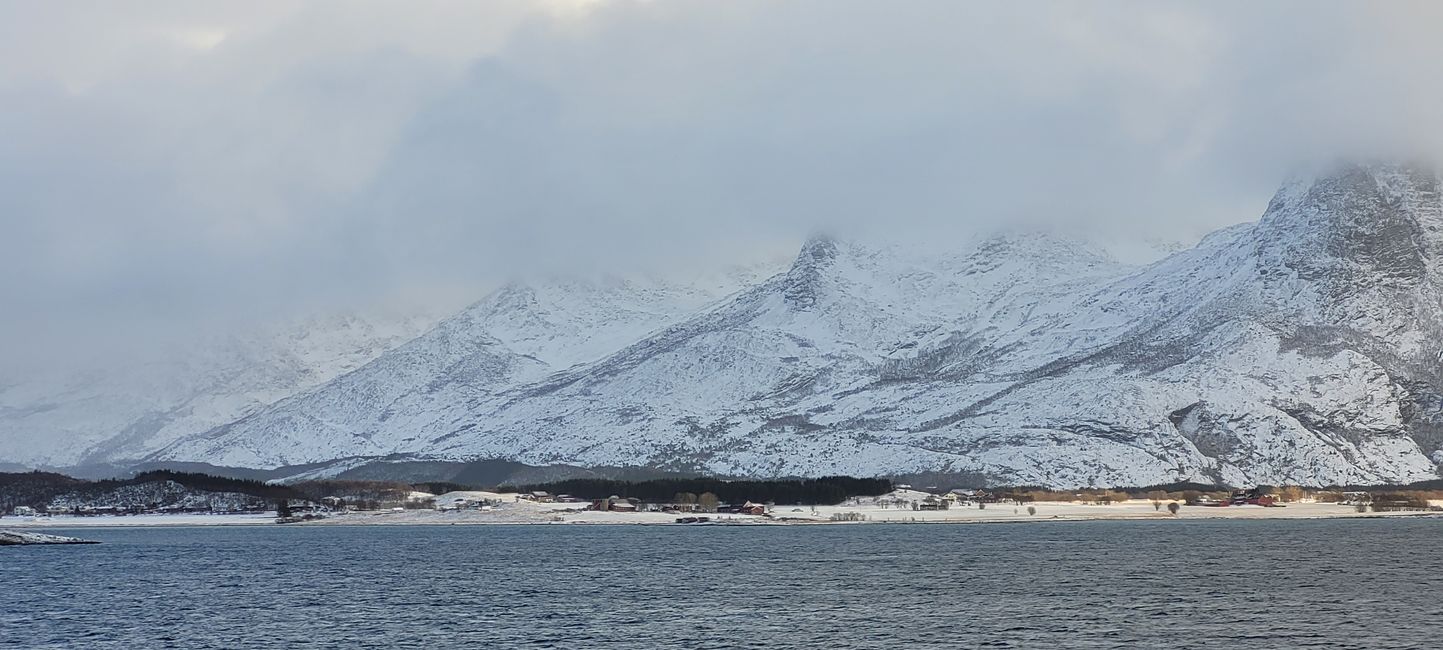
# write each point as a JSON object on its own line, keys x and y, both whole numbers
{"x": 526, "y": 513}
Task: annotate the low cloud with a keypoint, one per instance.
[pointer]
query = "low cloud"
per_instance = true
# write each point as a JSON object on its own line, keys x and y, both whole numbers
{"x": 192, "y": 164}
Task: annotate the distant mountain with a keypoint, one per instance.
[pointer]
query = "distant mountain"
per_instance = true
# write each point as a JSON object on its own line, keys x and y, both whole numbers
{"x": 1306, "y": 347}
{"x": 517, "y": 336}
{"x": 131, "y": 403}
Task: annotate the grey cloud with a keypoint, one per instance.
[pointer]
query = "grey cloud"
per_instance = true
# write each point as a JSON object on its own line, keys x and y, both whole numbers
{"x": 341, "y": 153}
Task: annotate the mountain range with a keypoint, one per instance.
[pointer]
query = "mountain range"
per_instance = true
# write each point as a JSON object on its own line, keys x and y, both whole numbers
{"x": 1302, "y": 348}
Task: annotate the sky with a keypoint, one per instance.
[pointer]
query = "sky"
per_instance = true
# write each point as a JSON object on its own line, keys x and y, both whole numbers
{"x": 168, "y": 166}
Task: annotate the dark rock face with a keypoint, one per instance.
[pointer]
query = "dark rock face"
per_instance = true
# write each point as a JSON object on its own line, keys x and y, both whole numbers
{"x": 1424, "y": 415}
{"x": 1204, "y": 430}
{"x": 1372, "y": 231}
{"x": 808, "y": 272}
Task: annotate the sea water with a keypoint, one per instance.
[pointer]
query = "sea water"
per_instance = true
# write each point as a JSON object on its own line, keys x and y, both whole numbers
{"x": 1100, "y": 584}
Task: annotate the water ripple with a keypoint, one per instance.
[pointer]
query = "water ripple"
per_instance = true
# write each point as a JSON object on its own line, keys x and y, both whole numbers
{"x": 1186, "y": 585}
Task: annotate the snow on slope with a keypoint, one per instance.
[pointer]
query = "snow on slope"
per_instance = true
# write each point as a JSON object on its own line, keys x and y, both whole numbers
{"x": 137, "y": 401}
{"x": 842, "y": 311}
{"x": 798, "y": 375}
{"x": 517, "y": 335}
{"x": 1283, "y": 351}
{"x": 1303, "y": 348}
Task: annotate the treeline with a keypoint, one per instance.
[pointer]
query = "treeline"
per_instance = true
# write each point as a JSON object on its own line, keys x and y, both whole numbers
{"x": 209, "y": 483}
{"x": 829, "y": 490}
{"x": 442, "y": 487}
{"x": 37, "y": 489}
{"x": 1381, "y": 501}
{"x": 32, "y": 489}
{"x": 1377, "y": 497}
{"x": 1182, "y": 491}
{"x": 363, "y": 495}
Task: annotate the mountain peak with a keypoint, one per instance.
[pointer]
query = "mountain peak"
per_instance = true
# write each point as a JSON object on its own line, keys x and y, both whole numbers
{"x": 1331, "y": 188}
{"x": 817, "y": 249}
{"x": 808, "y": 271}
{"x": 1384, "y": 219}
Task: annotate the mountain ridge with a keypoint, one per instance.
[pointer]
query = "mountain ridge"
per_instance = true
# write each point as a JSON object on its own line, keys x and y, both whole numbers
{"x": 1299, "y": 348}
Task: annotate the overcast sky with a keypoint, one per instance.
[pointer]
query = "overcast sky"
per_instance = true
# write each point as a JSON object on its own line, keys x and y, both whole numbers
{"x": 181, "y": 161}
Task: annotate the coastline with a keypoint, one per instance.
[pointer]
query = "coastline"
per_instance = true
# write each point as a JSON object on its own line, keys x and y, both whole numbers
{"x": 528, "y": 513}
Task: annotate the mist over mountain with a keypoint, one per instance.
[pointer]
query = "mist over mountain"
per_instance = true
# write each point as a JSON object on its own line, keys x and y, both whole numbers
{"x": 125, "y": 403}
{"x": 1302, "y": 348}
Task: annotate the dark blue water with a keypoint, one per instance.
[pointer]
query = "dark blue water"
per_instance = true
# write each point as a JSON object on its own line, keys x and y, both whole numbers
{"x": 1229, "y": 584}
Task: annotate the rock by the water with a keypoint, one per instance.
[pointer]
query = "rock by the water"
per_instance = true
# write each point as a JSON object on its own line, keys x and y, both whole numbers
{"x": 14, "y": 538}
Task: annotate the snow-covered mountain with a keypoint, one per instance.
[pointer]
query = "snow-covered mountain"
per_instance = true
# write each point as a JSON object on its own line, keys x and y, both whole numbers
{"x": 1306, "y": 347}
{"x": 517, "y": 336}
{"x": 129, "y": 403}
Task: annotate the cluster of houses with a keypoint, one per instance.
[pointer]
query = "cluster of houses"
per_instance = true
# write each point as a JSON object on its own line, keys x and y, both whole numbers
{"x": 336, "y": 503}
{"x": 85, "y": 510}
{"x": 463, "y": 503}
{"x": 618, "y": 504}
{"x": 1241, "y": 498}
{"x": 541, "y": 496}
{"x": 956, "y": 498}
{"x": 298, "y": 508}
{"x": 292, "y": 511}
{"x": 473, "y": 502}
{"x": 621, "y": 504}
{"x": 936, "y": 500}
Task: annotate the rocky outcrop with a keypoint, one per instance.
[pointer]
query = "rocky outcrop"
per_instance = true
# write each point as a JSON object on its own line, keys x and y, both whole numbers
{"x": 14, "y": 538}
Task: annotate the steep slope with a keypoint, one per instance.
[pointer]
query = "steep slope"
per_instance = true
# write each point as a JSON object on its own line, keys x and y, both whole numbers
{"x": 796, "y": 375}
{"x": 518, "y": 335}
{"x": 134, "y": 402}
{"x": 1293, "y": 350}
{"x": 840, "y": 315}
